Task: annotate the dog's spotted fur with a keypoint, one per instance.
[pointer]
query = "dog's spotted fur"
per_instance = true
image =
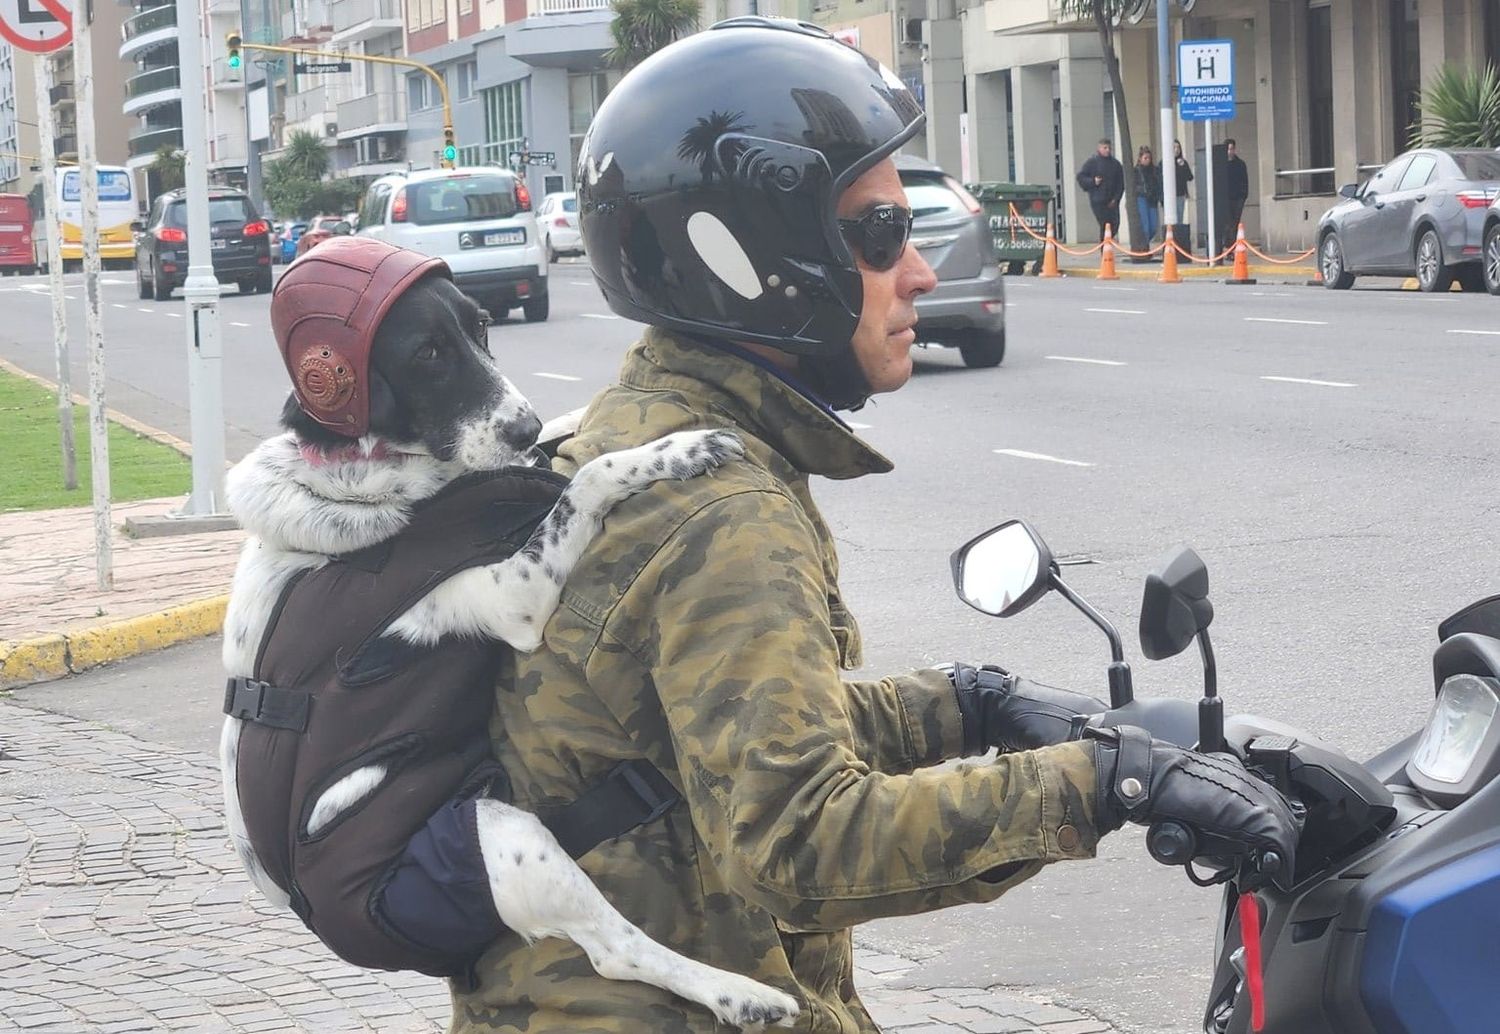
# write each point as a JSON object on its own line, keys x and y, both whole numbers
{"x": 440, "y": 409}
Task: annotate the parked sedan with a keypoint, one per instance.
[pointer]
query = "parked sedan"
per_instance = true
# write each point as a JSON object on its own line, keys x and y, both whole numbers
{"x": 949, "y": 227}
{"x": 286, "y": 241}
{"x": 319, "y": 230}
{"x": 1491, "y": 258}
{"x": 1422, "y": 215}
{"x": 557, "y": 218}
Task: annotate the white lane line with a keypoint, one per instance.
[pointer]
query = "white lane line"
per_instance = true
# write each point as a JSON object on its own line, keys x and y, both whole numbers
{"x": 117, "y": 305}
{"x": 1304, "y": 380}
{"x": 1122, "y": 312}
{"x": 598, "y": 316}
{"x": 239, "y": 324}
{"x": 558, "y": 376}
{"x": 1272, "y": 319}
{"x": 175, "y": 315}
{"x": 1488, "y": 333}
{"x": 115, "y": 283}
{"x": 860, "y": 427}
{"x": 142, "y": 308}
{"x": 1271, "y": 294}
{"x": 581, "y": 283}
{"x": 1023, "y": 455}
{"x": 1125, "y": 289}
{"x": 1081, "y": 359}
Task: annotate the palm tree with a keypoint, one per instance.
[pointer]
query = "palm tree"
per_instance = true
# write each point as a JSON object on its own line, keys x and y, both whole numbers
{"x": 305, "y": 156}
{"x": 1106, "y": 15}
{"x": 642, "y": 27}
{"x": 698, "y": 143}
{"x": 1460, "y": 107}
{"x": 168, "y": 166}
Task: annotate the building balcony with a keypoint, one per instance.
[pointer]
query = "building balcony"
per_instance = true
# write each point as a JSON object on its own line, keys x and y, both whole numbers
{"x": 224, "y": 7}
{"x": 228, "y": 151}
{"x": 310, "y": 106}
{"x": 355, "y": 20}
{"x": 154, "y": 89}
{"x": 540, "y": 8}
{"x": 145, "y": 142}
{"x": 62, "y": 93}
{"x": 65, "y": 146}
{"x": 147, "y": 30}
{"x": 373, "y": 113}
{"x": 562, "y": 34}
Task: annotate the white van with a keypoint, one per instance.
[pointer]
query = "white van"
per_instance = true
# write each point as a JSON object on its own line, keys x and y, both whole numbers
{"x": 478, "y": 220}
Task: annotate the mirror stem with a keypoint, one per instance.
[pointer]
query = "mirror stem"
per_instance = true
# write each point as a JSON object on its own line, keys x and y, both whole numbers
{"x": 1121, "y": 691}
{"x": 1210, "y": 708}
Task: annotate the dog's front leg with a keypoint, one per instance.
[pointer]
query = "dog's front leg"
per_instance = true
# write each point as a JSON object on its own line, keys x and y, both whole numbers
{"x": 540, "y": 892}
{"x": 512, "y": 600}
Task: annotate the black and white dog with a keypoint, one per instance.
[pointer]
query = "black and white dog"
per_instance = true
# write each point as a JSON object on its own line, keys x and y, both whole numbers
{"x": 439, "y": 408}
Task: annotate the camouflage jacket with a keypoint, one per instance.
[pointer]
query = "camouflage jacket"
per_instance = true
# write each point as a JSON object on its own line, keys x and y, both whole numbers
{"x": 704, "y": 630}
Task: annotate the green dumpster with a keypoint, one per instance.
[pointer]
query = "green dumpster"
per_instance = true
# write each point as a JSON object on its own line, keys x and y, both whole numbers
{"x": 1013, "y": 244}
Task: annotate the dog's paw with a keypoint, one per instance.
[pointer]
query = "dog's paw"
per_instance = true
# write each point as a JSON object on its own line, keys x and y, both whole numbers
{"x": 690, "y": 453}
{"x": 752, "y": 1006}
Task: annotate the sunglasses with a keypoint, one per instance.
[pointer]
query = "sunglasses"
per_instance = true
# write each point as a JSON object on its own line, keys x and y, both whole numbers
{"x": 879, "y": 236}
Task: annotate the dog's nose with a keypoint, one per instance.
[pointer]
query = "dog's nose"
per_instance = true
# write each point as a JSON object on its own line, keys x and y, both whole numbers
{"x": 533, "y": 428}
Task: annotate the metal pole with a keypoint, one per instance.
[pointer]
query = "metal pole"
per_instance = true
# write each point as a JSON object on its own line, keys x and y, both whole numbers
{"x": 1164, "y": 97}
{"x": 1213, "y": 229}
{"x": 41, "y": 66}
{"x": 201, "y": 289}
{"x": 88, "y": 171}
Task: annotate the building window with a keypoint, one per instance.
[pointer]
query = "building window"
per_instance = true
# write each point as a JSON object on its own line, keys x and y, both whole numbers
{"x": 1320, "y": 97}
{"x": 416, "y": 92}
{"x": 504, "y": 123}
{"x": 1406, "y": 72}
{"x": 465, "y": 7}
{"x": 423, "y": 14}
{"x": 468, "y": 72}
{"x": 586, "y": 91}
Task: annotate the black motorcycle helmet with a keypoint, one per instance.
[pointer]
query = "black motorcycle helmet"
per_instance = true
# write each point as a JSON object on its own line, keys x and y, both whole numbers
{"x": 709, "y": 180}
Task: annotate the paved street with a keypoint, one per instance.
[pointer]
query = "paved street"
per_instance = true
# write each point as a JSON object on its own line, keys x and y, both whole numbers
{"x": 1330, "y": 455}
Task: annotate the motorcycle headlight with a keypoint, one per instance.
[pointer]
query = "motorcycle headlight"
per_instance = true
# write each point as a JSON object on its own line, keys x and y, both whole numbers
{"x": 1465, "y": 710}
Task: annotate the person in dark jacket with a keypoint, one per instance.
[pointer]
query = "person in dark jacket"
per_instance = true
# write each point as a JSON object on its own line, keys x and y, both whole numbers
{"x": 1236, "y": 190}
{"x": 1103, "y": 179}
{"x": 1148, "y": 193}
{"x": 1184, "y": 177}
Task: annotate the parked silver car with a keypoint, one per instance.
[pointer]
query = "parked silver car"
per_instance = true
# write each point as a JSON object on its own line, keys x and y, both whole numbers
{"x": 1421, "y": 215}
{"x": 949, "y": 226}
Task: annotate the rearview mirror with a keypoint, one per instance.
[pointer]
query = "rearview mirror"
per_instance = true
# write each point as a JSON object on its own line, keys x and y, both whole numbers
{"x": 1349, "y": 190}
{"x": 136, "y": 226}
{"x": 1175, "y": 607}
{"x": 1003, "y": 571}
{"x": 341, "y": 227}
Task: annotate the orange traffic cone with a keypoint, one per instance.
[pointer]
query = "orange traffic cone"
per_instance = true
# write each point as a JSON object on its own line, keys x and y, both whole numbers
{"x": 1241, "y": 273}
{"x": 1169, "y": 274}
{"x": 1317, "y": 277}
{"x": 1049, "y": 257}
{"x": 1107, "y": 256}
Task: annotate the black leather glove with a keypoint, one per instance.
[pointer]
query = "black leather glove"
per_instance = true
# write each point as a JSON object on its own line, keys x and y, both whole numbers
{"x": 1006, "y": 711}
{"x": 1230, "y": 813}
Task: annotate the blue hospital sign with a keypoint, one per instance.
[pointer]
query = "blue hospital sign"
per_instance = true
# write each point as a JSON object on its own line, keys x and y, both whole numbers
{"x": 1205, "y": 79}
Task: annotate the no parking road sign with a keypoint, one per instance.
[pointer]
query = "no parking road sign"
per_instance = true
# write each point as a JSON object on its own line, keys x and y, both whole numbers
{"x": 40, "y": 26}
{"x": 1205, "y": 79}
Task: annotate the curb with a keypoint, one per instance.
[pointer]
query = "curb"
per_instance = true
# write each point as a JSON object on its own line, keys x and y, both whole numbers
{"x": 56, "y": 655}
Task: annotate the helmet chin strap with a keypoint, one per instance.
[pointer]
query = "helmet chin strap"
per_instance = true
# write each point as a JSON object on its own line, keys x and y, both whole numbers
{"x": 838, "y": 378}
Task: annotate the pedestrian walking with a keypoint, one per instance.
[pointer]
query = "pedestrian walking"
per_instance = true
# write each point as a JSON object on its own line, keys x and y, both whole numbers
{"x": 1103, "y": 179}
{"x": 1236, "y": 190}
{"x": 1148, "y": 191}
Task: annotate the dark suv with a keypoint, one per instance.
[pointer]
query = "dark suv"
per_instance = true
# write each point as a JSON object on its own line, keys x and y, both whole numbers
{"x": 240, "y": 245}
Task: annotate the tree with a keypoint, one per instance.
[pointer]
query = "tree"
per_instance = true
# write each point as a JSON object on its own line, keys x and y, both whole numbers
{"x": 295, "y": 185}
{"x": 642, "y": 27}
{"x": 1106, "y": 15}
{"x": 169, "y": 168}
{"x": 1460, "y": 107}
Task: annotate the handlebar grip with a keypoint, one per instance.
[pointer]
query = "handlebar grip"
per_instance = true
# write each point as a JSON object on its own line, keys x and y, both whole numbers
{"x": 1171, "y": 843}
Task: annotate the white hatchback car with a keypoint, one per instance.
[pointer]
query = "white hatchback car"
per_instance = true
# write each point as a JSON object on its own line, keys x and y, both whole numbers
{"x": 478, "y": 220}
{"x": 558, "y": 218}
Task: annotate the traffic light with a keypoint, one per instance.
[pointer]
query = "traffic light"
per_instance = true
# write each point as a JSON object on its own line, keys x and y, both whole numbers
{"x": 450, "y": 150}
{"x": 232, "y": 41}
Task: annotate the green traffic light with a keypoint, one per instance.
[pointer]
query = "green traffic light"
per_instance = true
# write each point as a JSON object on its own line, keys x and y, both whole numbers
{"x": 234, "y": 61}
{"x": 450, "y": 153}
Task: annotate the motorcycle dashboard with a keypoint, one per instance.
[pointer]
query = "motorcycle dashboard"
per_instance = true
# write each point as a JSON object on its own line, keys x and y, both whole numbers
{"x": 1458, "y": 751}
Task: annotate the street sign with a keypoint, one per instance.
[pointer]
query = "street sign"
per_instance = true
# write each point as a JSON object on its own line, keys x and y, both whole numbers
{"x": 533, "y": 157}
{"x": 1205, "y": 79}
{"x": 322, "y": 66}
{"x": 39, "y": 26}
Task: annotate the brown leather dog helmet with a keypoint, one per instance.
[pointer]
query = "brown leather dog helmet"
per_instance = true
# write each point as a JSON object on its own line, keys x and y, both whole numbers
{"x": 325, "y": 311}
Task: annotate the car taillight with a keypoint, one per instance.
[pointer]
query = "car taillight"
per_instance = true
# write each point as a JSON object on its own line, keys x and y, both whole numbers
{"x": 523, "y": 197}
{"x": 970, "y": 202}
{"x": 259, "y": 228}
{"x": 171, "y": 235}
{"x": 560, "y": 222}
{"x": 398, "y": 207}
{"x": 1475, "y": 198}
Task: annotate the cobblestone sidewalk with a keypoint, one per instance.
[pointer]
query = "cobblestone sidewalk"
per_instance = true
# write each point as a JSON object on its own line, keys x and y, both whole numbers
{"x": 122, "y": 909}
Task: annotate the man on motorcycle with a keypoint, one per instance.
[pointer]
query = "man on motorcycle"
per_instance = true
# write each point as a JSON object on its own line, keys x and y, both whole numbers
{"x": 737, "y": 195}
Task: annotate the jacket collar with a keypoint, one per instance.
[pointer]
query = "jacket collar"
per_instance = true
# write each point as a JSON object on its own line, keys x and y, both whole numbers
{"x": 754, "y": 396}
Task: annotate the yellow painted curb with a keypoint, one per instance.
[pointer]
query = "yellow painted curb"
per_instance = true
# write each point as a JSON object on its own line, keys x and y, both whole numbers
{"x": 55, "y": 655}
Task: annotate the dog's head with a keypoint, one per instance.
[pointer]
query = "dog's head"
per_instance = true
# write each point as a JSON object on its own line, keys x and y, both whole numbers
{"x": 433, "y": 386}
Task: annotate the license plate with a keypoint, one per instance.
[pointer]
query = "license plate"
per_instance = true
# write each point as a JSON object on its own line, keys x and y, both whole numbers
{"x": 491, "y": 238}
{"x": 220, "y": 244}
{"x": 10, "y": 228}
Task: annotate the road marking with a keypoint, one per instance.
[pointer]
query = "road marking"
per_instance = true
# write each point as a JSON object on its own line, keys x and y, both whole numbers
{"x": 117, "y": 305}
{"x": 1488, "y": 333}
{"x": 1023, "y": 455}
{"x": 175, "y": 315}
{"x": 860, "y": 427}
{"x": 1300, "y": 323}
{"x": 115, "y": 283}
{"x": 598, "y": 316}
{"x": 239, "y": 324}
{"x": 1080, "y": 359}
{"x": 1271, "y": 294}
{"x": 581, "y": 283}
{"x": 558, "y": 376}
{"x": 1122, "y": 312}
{"x": 1304, "y": 380}
{"x": 142, "y": 308}
{"x": 1128, "y": 289}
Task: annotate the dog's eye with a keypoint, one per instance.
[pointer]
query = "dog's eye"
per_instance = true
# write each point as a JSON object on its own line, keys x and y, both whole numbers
{"x": 427, "y": 354}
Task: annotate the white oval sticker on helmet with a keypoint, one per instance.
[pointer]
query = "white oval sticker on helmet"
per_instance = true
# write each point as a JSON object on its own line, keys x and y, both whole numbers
{"x": 722, "y": 254}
